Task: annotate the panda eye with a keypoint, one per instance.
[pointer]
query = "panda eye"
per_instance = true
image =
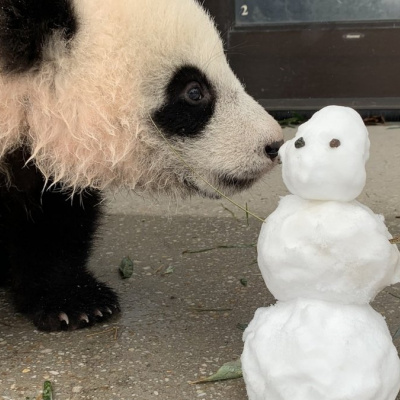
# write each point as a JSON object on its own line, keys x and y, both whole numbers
{"x": 193, "y": 93}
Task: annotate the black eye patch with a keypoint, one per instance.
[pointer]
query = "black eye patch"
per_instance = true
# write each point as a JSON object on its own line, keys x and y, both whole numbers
{"x": 189, "y": 105}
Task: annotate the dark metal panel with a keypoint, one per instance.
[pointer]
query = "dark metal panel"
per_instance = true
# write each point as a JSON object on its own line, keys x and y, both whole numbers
{"x": 318, "y": 62}
{"x": 223, "y": 12}
{"x": 306, "y": 66}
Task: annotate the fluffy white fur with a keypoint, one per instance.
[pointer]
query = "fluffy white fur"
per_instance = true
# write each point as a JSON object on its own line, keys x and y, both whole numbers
{"x": 85, "y": 115}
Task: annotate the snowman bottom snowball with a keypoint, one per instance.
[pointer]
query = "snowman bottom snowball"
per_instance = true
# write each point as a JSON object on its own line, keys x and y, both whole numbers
{"x": 316, "y": 350}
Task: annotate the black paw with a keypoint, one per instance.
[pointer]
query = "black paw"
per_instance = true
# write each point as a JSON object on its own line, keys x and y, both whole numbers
{"x": 76, "y": 307}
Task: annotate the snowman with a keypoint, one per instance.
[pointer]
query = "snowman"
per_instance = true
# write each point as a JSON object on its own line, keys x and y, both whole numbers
{"x": 324, "y": 256}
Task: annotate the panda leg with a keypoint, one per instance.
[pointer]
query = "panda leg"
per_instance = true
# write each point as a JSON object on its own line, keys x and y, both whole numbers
{"x": 48, "y": 237}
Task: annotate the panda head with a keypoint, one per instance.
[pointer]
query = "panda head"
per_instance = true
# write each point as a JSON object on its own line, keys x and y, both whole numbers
{"x": 138, "y": 94}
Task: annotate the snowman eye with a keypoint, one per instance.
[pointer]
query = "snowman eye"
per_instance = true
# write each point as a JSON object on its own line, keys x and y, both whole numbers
{"x": 334, "y": 143}
{"x": 299, "y": 143}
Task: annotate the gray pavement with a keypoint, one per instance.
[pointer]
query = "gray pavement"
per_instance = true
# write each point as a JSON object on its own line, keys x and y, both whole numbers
{"x": 165, "y": 338}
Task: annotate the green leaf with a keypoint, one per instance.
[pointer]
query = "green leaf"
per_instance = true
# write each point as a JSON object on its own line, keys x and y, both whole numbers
{"x": 47, "y": 391}
{"x": 169, "y": 270}
{"x": 242, "y": 327}
{"x": 397, "y": 334}
{"x": 297, "y": 119}
{"x": 230, "y": 370}
{"x": 126, "y": 268}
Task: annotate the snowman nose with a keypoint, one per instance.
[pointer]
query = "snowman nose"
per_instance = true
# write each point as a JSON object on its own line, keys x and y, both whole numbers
{"x": 273, "y": 148}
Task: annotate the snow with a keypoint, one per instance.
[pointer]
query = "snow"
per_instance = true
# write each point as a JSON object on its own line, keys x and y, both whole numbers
{"x": 328, "y": 250}
{"x": 316, "y": 350}
{"x": 324, "y": 256}
{"x": 318, "y": 171}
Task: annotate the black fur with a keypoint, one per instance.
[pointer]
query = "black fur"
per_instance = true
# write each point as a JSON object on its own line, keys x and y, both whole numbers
{"x": 27, "y": 25}
{"x": 180, "y": 117}
{"x": 45, "y": 241}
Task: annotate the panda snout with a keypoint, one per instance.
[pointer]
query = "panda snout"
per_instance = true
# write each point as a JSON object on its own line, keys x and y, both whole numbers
{"x": 272, "y": 149}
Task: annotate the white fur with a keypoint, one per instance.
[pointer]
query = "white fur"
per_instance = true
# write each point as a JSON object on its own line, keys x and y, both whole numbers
{"x": 85, "y": 115}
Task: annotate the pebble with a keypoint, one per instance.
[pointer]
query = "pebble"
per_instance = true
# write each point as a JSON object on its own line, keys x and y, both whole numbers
{"x": 54, "y": 372}
{"x": 77, "y": 389}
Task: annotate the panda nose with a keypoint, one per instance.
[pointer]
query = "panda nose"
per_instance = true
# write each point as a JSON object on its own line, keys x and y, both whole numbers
{"x": 272, "y": 149}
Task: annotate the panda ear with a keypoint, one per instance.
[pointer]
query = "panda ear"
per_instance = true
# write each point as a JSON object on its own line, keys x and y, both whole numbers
{"x": 27, "y": 26}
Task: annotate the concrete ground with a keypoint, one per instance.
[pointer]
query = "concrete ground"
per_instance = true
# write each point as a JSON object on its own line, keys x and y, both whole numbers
{"x": 168, "y": 335}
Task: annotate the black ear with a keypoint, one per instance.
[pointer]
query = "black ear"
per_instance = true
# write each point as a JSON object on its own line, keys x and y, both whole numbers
{"x": 27, "y": 25}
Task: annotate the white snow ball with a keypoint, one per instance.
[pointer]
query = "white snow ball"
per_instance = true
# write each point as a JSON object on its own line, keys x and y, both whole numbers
{"x": 326, "y": 159}
{"x": 328, "y": 250}
{"x": 315, "y": 350}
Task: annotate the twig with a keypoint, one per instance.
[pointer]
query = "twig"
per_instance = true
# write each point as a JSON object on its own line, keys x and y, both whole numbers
{"x": 113, "y": 329}
{"x": 223, "y": 246}
{"x": 397, "y": 297}
{"x": 229, "y": 211}
{"x": 211, "y": 309}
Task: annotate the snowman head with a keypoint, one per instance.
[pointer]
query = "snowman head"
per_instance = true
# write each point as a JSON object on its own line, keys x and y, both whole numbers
{"x": 326, "y": 159}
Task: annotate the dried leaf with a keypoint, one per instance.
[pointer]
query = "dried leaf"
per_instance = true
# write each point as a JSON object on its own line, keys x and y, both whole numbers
{"x": 395, "y": 240}
{"x": 374, "y": 120}
{"x": 230, "y": 370}
{"x": 126, "y": 268}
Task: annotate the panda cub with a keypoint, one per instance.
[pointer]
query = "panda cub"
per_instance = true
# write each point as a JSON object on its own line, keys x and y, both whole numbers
{"x": 89, "y": 93}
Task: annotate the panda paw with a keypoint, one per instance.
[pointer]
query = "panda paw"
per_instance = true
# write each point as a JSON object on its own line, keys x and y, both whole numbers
{"x": 85, "y": 306}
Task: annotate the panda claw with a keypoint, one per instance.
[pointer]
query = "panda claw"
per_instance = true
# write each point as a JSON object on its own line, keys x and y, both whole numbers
{"x": 108, "y": 310}
{"x": 84, "y": 317}
{"x": 82, "y": 310}
{"x": 63, "y": 318}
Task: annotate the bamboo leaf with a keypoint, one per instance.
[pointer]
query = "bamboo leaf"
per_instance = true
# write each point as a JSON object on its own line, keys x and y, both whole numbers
{"x": 242, "y": 327}
{"x": 230, "y": 370}
{"x": 126, "y": 268}
{"x": 169, "y": 270}
{"x": 243, "y": 282}
{"x": 397, "y": 334}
